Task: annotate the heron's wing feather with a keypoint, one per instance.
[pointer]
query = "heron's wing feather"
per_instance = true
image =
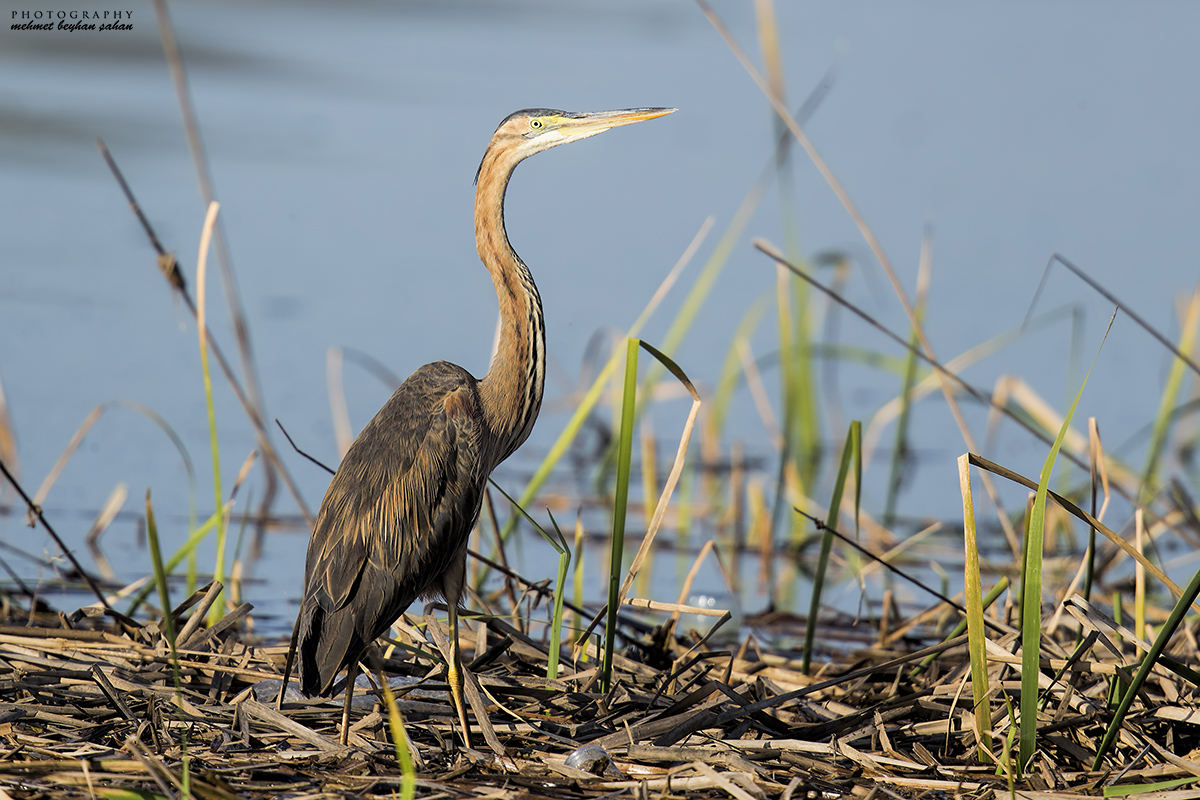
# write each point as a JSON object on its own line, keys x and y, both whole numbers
{"x": 404, "y": 498}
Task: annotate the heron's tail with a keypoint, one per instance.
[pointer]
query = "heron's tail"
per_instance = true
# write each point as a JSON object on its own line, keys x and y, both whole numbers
{"x": 324, "y": 645}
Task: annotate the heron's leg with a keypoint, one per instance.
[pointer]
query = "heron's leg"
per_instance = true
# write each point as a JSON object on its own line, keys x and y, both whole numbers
{"x": 351, "y": 678}
{"x": 454, "y": 676}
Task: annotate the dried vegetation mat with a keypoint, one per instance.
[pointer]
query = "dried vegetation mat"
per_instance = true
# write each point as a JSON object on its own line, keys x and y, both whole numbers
{"x": 90, "y": 708}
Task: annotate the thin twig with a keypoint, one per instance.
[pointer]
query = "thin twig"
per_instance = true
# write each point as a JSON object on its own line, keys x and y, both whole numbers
{"x": 36, "y": 510}
{"x": 1107, "y": 295}
{"x": 296, "y": 447}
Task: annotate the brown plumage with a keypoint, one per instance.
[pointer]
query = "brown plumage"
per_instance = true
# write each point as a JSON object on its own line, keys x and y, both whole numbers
{"x": 395, "y": 520}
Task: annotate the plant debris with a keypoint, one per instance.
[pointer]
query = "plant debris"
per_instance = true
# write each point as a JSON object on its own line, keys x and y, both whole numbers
{"x": 88, "y": 705}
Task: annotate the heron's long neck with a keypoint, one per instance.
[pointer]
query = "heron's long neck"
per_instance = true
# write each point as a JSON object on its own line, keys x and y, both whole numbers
{"x": 511, "y": 392}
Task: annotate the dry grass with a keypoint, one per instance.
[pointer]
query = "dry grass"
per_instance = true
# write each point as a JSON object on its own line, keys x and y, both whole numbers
{"x": 88, "y": 705}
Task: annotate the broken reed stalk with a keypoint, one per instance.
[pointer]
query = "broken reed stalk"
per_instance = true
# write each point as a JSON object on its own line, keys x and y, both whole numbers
{"x": 171, "y": 272}
{"x": 237, "y": 314}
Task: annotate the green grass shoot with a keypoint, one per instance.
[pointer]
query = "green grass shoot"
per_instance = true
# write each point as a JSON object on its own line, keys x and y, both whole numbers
{"x": 184, "y": 551}
{"x": 731, "y": 368}
{"x": 616, "y": 589}
{"x": 1031, "y": 585}
{"x": 577, "y": 579}
{"x": 851, "y": 451}
{"x": 400, "y": 740}
{"x": 1130, "y": 789}
{"x": 168, "y": 623}
{"x": 1097, "y": 474}
{"x": 649, "y": 468}
{"x": 800, "y": 407}
{"x": 560, "y": 591}
{"x": 1139, "y": 576}
{"x": 896, "y": 467}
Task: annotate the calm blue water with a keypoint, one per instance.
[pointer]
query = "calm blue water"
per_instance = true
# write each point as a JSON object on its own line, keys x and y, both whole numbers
{"x": 343, "y": 142}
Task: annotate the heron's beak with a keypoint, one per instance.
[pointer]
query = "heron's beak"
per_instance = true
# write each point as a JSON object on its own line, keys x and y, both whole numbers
{"x": 580, "y": 125}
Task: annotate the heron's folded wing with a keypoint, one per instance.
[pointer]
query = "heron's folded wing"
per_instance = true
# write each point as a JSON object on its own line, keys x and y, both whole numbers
{"x": 405, "y": 497}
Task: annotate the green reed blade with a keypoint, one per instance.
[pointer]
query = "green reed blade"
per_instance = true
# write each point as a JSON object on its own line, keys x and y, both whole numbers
{"x": 1128, "y": 790}
{"x": 620, "y": 503}
{"x": 558, "y": 548}
{"x": 851, "y": 449}
{"x": 731, "y": 368}
{"x": 896, "y": 467}
{"x": 1166, "y": 406}
{"x": 400, "y": 740}
{"x": 160, "y": 579}
{"x": 577, "y": 582}
{"x": 1031, "y": 584}
{"x": 186, "y": 549}
{"x": 217, "y": 609}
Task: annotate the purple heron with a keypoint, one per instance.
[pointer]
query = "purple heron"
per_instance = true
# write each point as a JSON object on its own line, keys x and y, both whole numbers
{"x": 395, "y": 520}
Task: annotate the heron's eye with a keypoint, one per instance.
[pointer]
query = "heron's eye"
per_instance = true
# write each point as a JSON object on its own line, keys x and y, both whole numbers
{"x": 536, "y": 124}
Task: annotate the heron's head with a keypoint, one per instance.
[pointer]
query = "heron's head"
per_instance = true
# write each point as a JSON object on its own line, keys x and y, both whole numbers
{"x": 533, "y": 130}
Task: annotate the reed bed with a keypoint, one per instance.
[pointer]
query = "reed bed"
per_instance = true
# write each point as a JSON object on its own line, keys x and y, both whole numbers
{"x": 89, "y": 708}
